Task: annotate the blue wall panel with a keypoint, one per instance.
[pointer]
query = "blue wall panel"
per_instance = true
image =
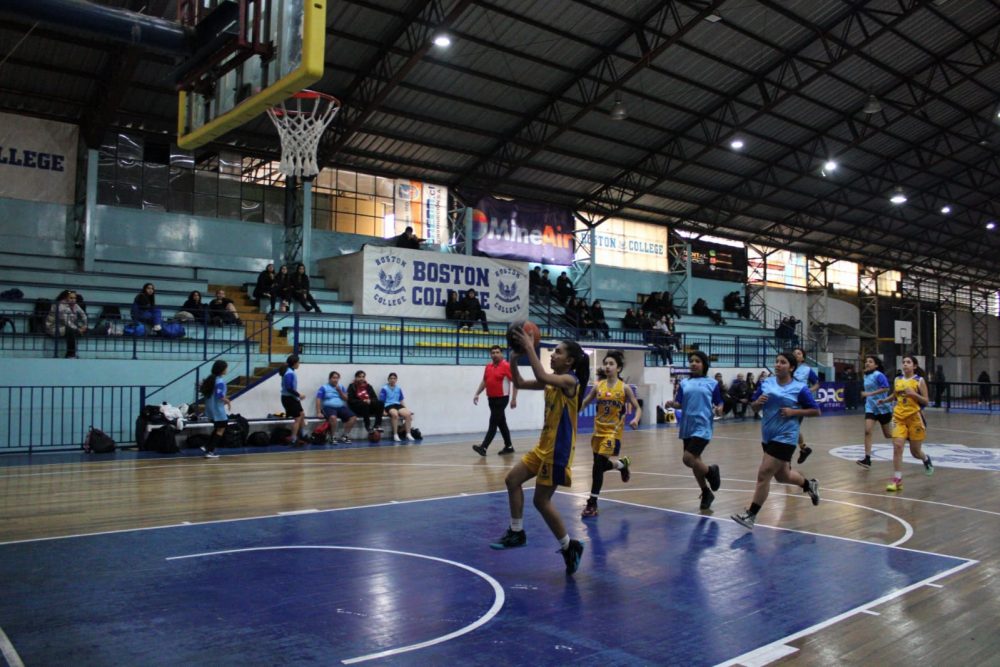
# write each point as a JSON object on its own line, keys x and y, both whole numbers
{"x": 35, "y": 228}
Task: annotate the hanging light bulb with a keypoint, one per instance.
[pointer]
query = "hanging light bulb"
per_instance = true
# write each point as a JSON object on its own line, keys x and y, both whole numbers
{"x": 872, "y": 105}
{"x": 898, "y": 197}
{"x": 618, "y": 111}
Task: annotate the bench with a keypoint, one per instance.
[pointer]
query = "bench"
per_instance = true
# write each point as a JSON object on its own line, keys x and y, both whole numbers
{"x": 265, "y": 424}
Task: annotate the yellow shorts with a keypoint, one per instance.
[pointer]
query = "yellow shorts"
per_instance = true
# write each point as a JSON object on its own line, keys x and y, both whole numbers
{"x": 912, "y": 428}
{"x": 605, "y": 445}
{"x": 547, "y": 473}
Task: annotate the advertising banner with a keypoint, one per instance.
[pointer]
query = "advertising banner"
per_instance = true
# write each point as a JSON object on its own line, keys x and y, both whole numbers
{"x": 830, "y": 397}
{"x": 528, "y": 231}
{"x": 720, "y": 262}
{"x": 435, "y": 214}
{"x": 626, "y": 244}
{"x": 37, "y": 159}
{"x": 415, "y": 283}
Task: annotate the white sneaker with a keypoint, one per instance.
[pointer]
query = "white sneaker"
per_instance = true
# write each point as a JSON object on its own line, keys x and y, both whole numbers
{"x": 211, "y": 455}
{"x": 395, "y": 438}
{"x": 156, "y": 327}
{"x": 410, "y": 438}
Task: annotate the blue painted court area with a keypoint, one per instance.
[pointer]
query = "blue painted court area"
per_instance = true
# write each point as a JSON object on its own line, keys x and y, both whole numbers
{"x": 654, "y": 587}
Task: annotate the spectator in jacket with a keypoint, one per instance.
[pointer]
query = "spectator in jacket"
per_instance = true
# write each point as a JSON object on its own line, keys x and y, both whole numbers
{"x": 473, "y": 310}
{"x": 144, "y": 307}
{"x": 631, "y": 320}
{"x": 701, "y": 308}
{"x": 283, "y": 288}
{"x": 739, "y": 393}
{"x": 409, "y": 240}
{"x": 265, "y": 287}
{"x": 453, "y": 309}
{"x": 363, "y": 401}
{"x": 194, "y": 309}
{"x": 564, "y": 288}
{"x": 300, "y": 289}
{"x": 222, "y": 310}
{"x": 597, "y": 318}
{"x": 66, "y": 320}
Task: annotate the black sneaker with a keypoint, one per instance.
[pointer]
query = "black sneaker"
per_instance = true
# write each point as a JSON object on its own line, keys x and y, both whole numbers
{"x": 865, "y": 463}
{"x": 572, "y": 555}
{"x": 510, "y": 540}
{"x": 506, "y": 450}
{"x": 626, "y": 470}
{"x": 745, "y": 519}
{"x": 479, "y": 449}
{"x": 813, "y": 491}
{"x": 804, "y": 453}
{"x": 928, "y": 466}
{"x": 706, "y": 499}
{"x": 714, "y": 479}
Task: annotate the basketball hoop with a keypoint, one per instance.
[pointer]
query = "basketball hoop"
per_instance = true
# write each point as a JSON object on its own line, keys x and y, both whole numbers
{"x": 301, "y": 121}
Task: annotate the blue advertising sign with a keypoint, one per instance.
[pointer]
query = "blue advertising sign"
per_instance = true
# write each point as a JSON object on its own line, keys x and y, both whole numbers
{"x": 830, "y": 397}
{"x": 528, "y": 231}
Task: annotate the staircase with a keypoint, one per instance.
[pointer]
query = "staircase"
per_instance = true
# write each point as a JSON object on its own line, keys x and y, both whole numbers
{"x": 255, "y": 323}
{"x": 236, "y": 387}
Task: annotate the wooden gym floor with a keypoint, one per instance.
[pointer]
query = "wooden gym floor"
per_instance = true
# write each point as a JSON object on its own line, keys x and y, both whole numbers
{"x": 940, "y": 610}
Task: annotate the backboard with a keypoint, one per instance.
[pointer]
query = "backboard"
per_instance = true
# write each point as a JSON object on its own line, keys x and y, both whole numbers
{"x": 253, "y": 56}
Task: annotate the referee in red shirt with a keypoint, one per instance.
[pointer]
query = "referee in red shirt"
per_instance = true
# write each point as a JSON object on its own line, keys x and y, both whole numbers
{"x": 496, "y": 372}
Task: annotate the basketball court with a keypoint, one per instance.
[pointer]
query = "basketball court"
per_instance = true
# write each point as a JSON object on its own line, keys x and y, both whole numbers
{"x": 381, "y": 555}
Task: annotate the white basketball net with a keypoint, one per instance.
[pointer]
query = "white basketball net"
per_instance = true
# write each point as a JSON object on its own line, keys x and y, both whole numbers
{"x": 301, "y": 122}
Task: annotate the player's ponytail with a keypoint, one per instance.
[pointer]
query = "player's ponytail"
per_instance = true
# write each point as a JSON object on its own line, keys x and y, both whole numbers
{"x": 581, "y": 367}
{"x": 207, "y": 387}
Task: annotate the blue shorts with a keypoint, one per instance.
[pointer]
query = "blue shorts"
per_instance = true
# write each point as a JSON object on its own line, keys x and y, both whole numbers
{"x": 343, "y": 412}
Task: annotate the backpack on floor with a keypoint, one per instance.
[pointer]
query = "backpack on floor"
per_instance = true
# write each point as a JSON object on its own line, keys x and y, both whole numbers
{"x": 319, "y": 433}
{"x": 98, "y": 442}
{"x": 163, "y": 440}
{"x": 259, "y": 439}
{"x": 136, "y": 329}
{"x": 281, "y": 436}
{"x": 417, "y": 435}
{"x": 236, "y": 432}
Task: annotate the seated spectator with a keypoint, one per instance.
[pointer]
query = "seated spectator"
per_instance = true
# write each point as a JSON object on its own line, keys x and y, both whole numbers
{"x": 283, "y": 289}
{"x": 572, "y": 313}
{"x": 265, "y": 287}
{"x": 733, "y": 303}
{"x": 564, "y": 288}
{"x": 739, "y": 392}
{"x": 584, "y": 316}
{"x": 645, "y": 320}
{"x": 787, "y": 331}
{"x": 363, "y": 401}
{"x": 144, "y": 308}
{"x": 66, "y": 320}
{"x": 453, "y": 309}
{"x": 473, "y": 310}
{"x": 194, "y": 309}
{"x": 222, "y": 310}
{"x": 653, "y": 306}
{"x": 331, "y": 402}
{"x": 701, "y": 308}
{"x": 545, "y": 285}
{"x": 667, "y": 299}
{"x": 597, "y": 318}
{"x": 727, "y": 401}
{"x": 409, "y": 240}
{"x": 392, "y": 398}
{"x": 299, "y": 283}
{"x": 631, "y": 320}
{"x": 534, "y": 280}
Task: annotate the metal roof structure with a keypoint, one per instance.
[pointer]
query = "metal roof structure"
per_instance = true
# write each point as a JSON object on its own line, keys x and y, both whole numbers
{"x": 518, "y": 105}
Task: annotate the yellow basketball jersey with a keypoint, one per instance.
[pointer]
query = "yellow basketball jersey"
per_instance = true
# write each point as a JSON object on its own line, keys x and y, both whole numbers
{"x": 905, "y": 405}
{"x": 559, "y": 430}
{"x": 609, "y": 420}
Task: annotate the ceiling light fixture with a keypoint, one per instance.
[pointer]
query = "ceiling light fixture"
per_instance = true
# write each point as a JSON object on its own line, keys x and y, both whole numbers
{"x": 830, "y": 165}
{"x": 991, "y": 225}
{"x": 736, "y": 144}
{"x": 618, "y": 111}
{"x": 872, "y": 105}
{"x": 898, "y": 197}
{"x": 442, "y": 41}
{"x": 946, "y": 209}
{"x": 714, "y": 17}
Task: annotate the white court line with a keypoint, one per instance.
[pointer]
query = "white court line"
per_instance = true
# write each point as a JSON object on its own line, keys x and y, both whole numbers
{"x": 294, "y": 512}
{"x": 869, "y": 612}
{"x": 498, "y": 595}
{"x": 8, "y": 651}
{"x": 749, "y": 658}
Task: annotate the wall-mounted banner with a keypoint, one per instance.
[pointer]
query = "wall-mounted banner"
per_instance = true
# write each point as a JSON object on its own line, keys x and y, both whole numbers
{"x": 721, "y": 262}
{"x": 37, "y": 159}
{"x": 626, "y": 244}
{"x": 529, "y": 231}
{"x": 415, "y": 283}
{"x": 435, "y": 213}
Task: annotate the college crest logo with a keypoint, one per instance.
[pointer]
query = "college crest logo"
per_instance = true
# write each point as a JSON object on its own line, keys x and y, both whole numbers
{"x": 507, "y": 293}
{"x": 389, "y": 283}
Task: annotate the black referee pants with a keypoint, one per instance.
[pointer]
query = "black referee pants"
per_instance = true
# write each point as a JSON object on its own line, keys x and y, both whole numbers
{"x": 498, "y": 420}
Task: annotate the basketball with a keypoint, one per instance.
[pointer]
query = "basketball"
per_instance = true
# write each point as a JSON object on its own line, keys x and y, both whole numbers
{"x": 529, "y": 328}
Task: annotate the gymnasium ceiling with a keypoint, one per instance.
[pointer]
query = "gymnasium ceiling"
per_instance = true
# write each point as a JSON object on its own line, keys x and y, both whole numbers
{"x": 519, "y": 105}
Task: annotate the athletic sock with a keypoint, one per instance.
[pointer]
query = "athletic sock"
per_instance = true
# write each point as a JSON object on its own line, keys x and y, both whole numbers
{"x": 805, "y": 485}
{"x": 564, "y": 542}
{"x": 593, "y": 496}
{"x": 754, "y": 508}
{"x": 897, "y": 475}
{"x": 516, "y": 525}
{"x": 618, "y": 464}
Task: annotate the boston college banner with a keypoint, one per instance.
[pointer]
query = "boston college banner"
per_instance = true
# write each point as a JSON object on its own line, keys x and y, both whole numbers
{"x": 37, "y": 159}
{"x": 415, "y": 283}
